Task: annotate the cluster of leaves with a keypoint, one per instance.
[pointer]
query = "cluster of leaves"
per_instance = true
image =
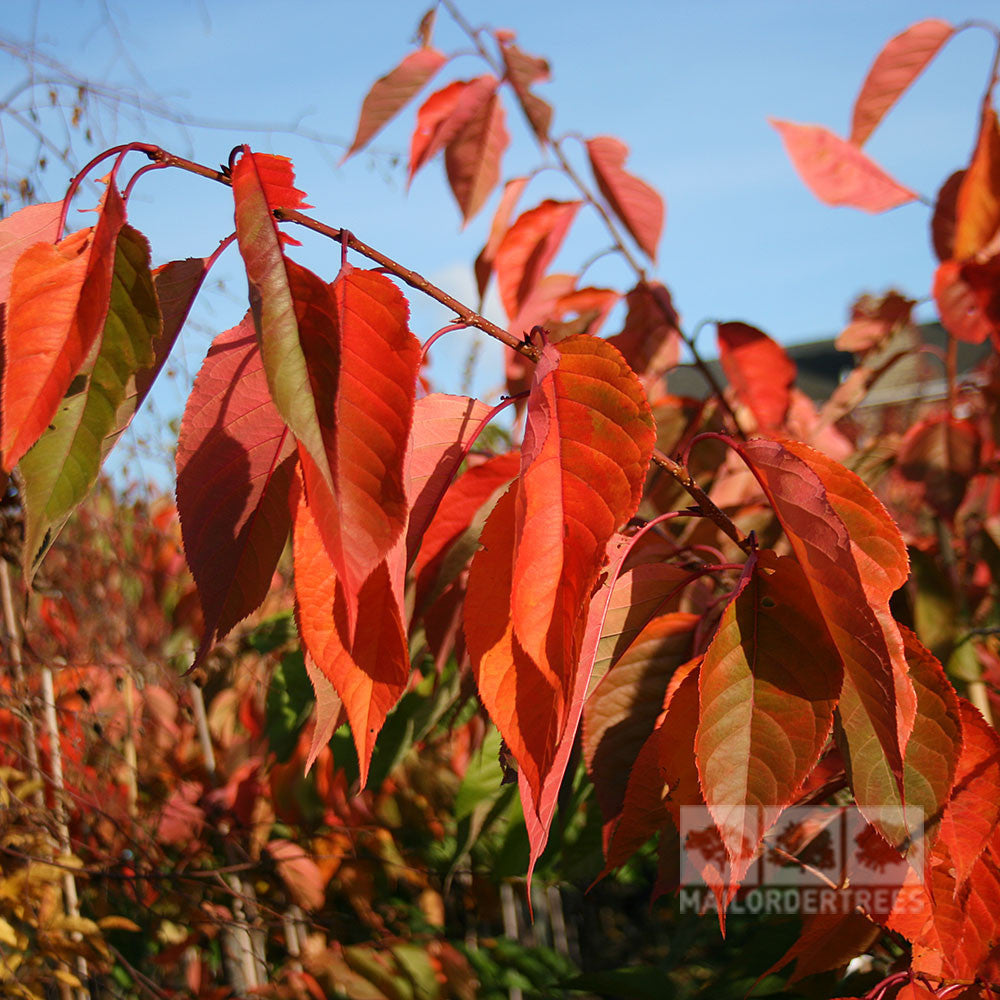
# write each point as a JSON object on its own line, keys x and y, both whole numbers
{"x": 764, "y": 648}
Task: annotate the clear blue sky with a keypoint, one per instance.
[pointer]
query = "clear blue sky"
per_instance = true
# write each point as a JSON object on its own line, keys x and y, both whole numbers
{"x": 687, "y": 85}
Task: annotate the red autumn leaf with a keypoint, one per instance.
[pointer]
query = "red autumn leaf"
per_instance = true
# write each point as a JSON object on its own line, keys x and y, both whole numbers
{"x": 369, "y": 670}
{"x": 235, "y": 464}
{"x": 638, "y": 205}
{"x": 512, "y": 191}
{"x": 941, "y": 454}
{"x": 26, "y": 227}
{"x": 472, "y": 158}
{"x": 664, "y": 777}
{"x": 932, "y": 752}
{"x": 523, "y": 70}
{"x": 528, "y": 248}
{"x": 443, "y": 116}
{"x": 391, "y": 93}
{"x": 837, "y": 172}
{"x": 621, "y": 713}
{"x": 638, "y": 595}
{"x": 944, "y": 217}
{"x": 443, "y": 426}
{"x": 977, "y": 209}
{"x": 763, "y": 719}
{"x": 554, "y": 298}
{"x": 58, "y": 301}
{"x": 650, "y": 339}
{"x": 961, "y": 310}
{"x": 301, "y": 875}
{"x": 464, "y": 499}
{"x": 177, "y": 284}
{"x": 275, "y": 185}
{"x": 873, "y": 320}
{"x": 973, "y": 810}
{"x": 828, "y": 941}
{"x": 759, "y": 370}
{"x": 330, "y": 713}
{"x": 901, "y": 61}
{"x": 587, "y": 443}
{"x": 854, "y": 558}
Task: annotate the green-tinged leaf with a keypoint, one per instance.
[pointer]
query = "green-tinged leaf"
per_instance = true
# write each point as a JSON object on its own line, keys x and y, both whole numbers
{"x": 63, "y": 465}
{"x": 769, "y": 684}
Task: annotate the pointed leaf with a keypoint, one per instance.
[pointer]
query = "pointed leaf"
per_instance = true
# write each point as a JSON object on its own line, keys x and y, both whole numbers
{"x": 944, "y": 218}
{"x": 443, "y": 116}
{"x": 854, "y": 558}
{"x": 26, "y": 227}
{"x": 512, "y": 192}
{"x": 443, "y": 427}
{"x": 622, "y": 711}
{"x": 523, "y": 70}
{"x": 177, "y": 284}
{"x": 932, "y": 751}
{"x": 664, "y": 777}
{"x": 55, "y": 313}
{"x": 330, "y": 714}
{"x": 650, "y": 339}
{"x": 64, "y": 463}
{"x": 638, "y": 205}
{"x": 392, "y": 92}
{"x": 977, "y": 210}
{"x": 456, "y": 514}
{"x": 973, "y": 810}
{"x": 235, "y": 465}
{"x": 588, "y": 438}
{"x": 764, "y": 719}
{"x": 967, "y": 312}
{"x": 472, "y": 158}
{"x": 900, "y": 62}
{"x": 371, "y": 671}
{"x": 828, "y": 941}
{"x": 528, "y": 248}
{"x": 838, "y": 173}
{"x": 759, "y": 370}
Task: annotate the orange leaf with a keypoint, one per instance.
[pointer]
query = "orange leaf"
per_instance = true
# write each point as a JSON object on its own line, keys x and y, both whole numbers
{"x": 900, "y": 62}
{"x": 763, "y": 719}
{"x": 827, "y": 941}
{"x": 472, "y": 158}
{"x": 940, "y": 454}
{"x": 837, "y": 172}
{"x": 968, "y": 298}
{"x": 391, "y": 93}
{"x": 587, "y": 443}
{"x": 977, "y": 210}
{"x": 759, "y": 370}
{"x": 235, "y": 462}
{"x": 512, "y": 191}
{"x": 59, "y": 299}
{"x": 443, "y": 116}
{"x": 854, "y": 558}
{"x": 622, "y": 711}
{"x": 26, "y": 227}
{"x": 873, "y": 320}
{"x": 638, "y": 205}
{"x": 528, "y": 248}
{"x": 443, "y": 426}
{"x": 370, "y": 671}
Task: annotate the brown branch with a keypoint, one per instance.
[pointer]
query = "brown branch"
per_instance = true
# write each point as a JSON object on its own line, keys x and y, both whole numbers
{"x": 704, "y": 501}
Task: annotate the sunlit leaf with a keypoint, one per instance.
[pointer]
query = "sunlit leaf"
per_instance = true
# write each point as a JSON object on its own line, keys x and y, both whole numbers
{"x": 472, "y": 158}
{"x": 902, "y": 59}
{"x": 759, "y": 370}
{"x": 837, "y": 172}
{"x": 392, "y": 92}
{"x": 56, "y": 309}
{"x": 638, "y": 205}
{"x": 235, "y": 463}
